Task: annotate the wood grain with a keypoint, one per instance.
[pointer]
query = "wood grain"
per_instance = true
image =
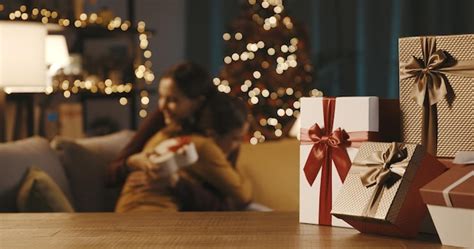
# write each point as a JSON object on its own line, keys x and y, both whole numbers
{"x": 185, "y": 230}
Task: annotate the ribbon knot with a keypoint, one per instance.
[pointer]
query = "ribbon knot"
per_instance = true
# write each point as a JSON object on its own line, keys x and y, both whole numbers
{"x": 384, "y": 169}
{"x": 431, "y": 84}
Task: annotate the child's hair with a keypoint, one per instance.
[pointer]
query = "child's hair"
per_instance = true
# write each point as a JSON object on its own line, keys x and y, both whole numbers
{"x": 223, "y": 113}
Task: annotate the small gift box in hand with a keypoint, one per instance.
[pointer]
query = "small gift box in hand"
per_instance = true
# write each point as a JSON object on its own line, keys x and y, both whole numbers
{"x": 381, "y": 192}
{"x": 172, "y": 154}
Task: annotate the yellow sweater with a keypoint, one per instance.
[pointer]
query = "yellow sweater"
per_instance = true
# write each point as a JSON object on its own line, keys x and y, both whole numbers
{"x": 212, "y": 167}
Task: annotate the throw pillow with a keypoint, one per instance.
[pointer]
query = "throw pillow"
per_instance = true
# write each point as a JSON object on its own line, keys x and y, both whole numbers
{"x": 39, "y": 193}
{"x": 15, "y": 160}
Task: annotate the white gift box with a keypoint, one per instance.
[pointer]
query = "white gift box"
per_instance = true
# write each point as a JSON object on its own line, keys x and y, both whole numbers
{"x": 352, "y": 114}
{"x": 174, "y": 153}
{"x": 450, "y": 200}
{"x": 454, "y": 225}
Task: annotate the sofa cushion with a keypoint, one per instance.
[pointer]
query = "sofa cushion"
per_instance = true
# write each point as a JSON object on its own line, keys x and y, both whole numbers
{"x": 84, "y": 161}
{"x": 273, "y": 169}
{"x": 15, "y": 160}
{"x": 107, "y": 146}
{"x": 39, "y": 193}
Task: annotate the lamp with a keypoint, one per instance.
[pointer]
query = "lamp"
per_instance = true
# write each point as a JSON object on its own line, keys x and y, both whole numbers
{"x": 57, "y": 56}
{"x": 22, "y": 61}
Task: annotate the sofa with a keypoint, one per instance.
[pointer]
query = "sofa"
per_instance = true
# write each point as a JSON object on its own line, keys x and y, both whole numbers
{"x": 77, "y": 167}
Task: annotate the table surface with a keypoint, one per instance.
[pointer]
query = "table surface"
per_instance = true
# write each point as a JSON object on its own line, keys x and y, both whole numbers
{"x": 186, "y": 230}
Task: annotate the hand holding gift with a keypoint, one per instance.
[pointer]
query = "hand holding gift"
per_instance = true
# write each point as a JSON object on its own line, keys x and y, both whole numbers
{"x": 171, "y": 155}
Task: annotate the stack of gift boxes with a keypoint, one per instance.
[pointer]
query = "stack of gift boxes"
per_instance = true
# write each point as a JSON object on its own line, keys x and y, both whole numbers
{"x": 376, "y": 165}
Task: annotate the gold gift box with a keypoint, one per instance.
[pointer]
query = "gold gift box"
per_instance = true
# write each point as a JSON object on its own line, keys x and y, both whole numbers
{"x": 455, "y": 111}
{"x": 392, "y": 206}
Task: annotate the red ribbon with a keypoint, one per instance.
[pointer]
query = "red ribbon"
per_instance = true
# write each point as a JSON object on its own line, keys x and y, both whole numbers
{"x": 329, "y": 146}
{"x": 182, "y": 141}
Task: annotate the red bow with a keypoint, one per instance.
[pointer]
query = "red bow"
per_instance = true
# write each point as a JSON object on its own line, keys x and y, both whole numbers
{"x": 328, "y": 146}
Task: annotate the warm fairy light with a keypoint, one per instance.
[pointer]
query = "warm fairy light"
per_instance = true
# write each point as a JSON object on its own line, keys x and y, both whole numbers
{"x": 257, "y": 75}
{"x": 289, "y": 91}
{"x": 67, "y": 94}
{"x": 278, "y": 9}
{"x": 251, "y": 55}
{"x": 244, "y": 56}
{"x": 254, "y": 141}
{"x": 123, "y": 101}
{"x": 238, "y": 36}
{"x": 289, "y": 112}
{"x": 254, "y": 100}
{"x": 227, "y": 60}
{"x": 265, "y": 93}
{"x": 143, "y": 113}
{"x": 252, "y": 2}
{"x": 226, "y": 36}
{"x": 278, "y": 133}
{"x": 271, "y": 51}
{"x": 216, "y": 81}
{"x": 147, "y": 54}
{"x": 265, "y": 4}
{"x": 281, "y": 112}
{"x": 145, "y": 100}
{"x": 296, "y": 105}
{"x": 235, "y": 56}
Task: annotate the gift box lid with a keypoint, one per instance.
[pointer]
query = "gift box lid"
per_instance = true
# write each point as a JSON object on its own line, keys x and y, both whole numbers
{"x": 455, "y": 188}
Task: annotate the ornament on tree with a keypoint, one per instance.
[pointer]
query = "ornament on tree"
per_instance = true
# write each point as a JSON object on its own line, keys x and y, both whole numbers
{"x": 267, "y": 64}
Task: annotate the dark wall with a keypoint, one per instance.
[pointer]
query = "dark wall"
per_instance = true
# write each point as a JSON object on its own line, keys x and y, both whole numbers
{"x": 354, "y": 43}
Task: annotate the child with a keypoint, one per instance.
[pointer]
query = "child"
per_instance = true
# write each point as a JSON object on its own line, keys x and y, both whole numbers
{"x": 224, "y": 121}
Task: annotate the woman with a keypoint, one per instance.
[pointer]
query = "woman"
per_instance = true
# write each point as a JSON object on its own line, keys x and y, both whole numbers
{"x": 224, "y": 121}
{"x": 183, "y": 90}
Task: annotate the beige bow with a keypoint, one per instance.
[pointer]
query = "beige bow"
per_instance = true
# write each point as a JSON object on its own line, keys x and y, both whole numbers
{"x": 382, "y": 170}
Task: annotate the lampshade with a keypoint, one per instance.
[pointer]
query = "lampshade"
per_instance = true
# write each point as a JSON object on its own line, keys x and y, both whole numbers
{"x": 22, "y": 56}
{"x": 57, "y": 54}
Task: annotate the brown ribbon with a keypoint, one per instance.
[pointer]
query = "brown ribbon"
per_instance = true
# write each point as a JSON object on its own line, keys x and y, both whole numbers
{"x": 431, "y": 84}
{"x": 384, "y": 169}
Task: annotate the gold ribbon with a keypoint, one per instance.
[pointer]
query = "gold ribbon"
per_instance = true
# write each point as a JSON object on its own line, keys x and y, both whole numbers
{"x": 431, "y": 84}
{"x": 384, "y": 169}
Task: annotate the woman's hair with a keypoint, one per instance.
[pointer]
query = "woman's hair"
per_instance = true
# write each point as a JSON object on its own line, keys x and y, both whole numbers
{"x": 223, "y": 113}
{"x": 191, "y": 79}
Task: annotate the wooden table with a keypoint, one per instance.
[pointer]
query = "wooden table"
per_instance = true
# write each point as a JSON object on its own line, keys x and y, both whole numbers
{"x": 185, "y": 230}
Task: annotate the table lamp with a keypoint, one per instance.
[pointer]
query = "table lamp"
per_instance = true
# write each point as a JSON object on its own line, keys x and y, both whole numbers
{"x": 57, "y": 56}
{"x": 22, "y": 61}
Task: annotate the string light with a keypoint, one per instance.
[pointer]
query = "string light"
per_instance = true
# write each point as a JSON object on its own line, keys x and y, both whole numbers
{"x": 47, "y": 16}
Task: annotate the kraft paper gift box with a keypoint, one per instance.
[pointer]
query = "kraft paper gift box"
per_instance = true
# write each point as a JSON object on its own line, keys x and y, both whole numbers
{"x": 436, "y": 92}
{"x": 381, "y": 192}
{"x": 324, "y": 162}
{"x": 450, "y": 200}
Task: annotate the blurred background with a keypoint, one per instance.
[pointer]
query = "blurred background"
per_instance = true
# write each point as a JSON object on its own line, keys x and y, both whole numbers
{"x": 119, "y": 48}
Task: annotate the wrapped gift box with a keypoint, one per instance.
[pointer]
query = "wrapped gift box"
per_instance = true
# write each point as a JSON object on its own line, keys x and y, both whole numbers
{"x": 381, "y": 192}
{"x": 450, "y": 200}
{"x": 436, "y": 89}
{"x": 174, "y": 153}
{"x": 324, "y": 163}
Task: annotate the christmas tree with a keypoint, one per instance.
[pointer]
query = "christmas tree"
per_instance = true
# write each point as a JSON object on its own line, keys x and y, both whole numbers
{"x": 267, "y": 64}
